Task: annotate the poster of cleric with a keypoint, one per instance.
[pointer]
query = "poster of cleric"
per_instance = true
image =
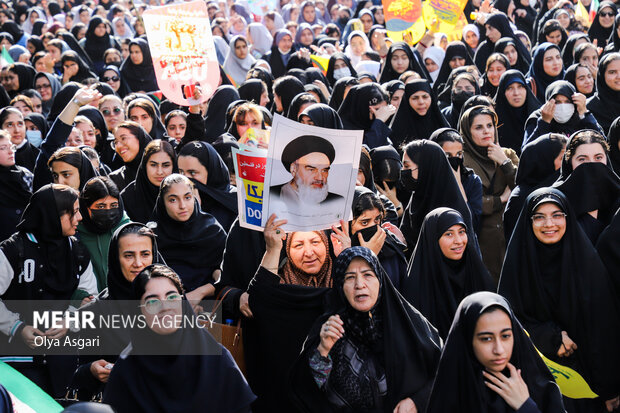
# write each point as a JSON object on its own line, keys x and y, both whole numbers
{"x": 310, "y": 174}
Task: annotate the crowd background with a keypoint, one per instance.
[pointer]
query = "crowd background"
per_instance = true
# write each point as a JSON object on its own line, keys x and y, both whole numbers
{"x": 490, "y": 164}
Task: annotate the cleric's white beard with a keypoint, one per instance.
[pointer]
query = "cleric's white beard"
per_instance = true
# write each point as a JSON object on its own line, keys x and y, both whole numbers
{"x": 310, "y": 195}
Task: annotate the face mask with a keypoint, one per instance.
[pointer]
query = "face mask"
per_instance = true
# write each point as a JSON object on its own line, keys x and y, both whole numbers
{"x": 563, "y": 112}
{"x": 459, "y": 98}
{"x": 343, "y": 21}
{"x": 455, "y": 162}
{"x": 34, "y": 137}
{"x": 367, "y": 234}
{"x": 105, "y": 219}
{"x": 342, "y": 72}
{"x": 407, "y": 180}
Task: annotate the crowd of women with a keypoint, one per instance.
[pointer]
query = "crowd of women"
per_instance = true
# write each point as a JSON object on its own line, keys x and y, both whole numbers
{"x": 484, "y": 232}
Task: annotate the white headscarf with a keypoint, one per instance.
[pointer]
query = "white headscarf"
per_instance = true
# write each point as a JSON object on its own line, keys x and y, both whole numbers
{"x": 129, "y": 33}
{"x": 261, "y": 39}
{"x": 349, "y": 52}
{"x": 436, "y": 54}
{"x": 235, "y": 67}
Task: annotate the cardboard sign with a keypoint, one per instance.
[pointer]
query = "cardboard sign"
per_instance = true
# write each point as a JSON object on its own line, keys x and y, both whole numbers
{"x": 183, "y": 52}
{"x": 250, "y": 165}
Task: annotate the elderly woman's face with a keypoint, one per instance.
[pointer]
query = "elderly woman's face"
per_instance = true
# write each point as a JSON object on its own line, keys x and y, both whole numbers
{"x": 161, "y": 306}
{"x": 308, "y": 252}
{"x": 361, "y": 285}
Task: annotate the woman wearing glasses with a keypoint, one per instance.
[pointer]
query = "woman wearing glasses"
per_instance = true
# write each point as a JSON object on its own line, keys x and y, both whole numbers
{"x": 111, "y": 107}
{"x": 195, "y": 356}
{"x": 130, "y": 140}
{"x": 561, "y": 292}
{"x": 112, "y": 76}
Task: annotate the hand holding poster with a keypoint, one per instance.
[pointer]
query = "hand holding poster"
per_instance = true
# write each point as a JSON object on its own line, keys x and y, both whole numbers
{"x": 310, "y": 175}
{"x": 183, "y": 51}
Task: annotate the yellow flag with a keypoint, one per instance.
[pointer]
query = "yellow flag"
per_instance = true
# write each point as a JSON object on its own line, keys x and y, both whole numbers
{"x": 320, "y": 62}
{"x": 403, "y": 20}
{"x": 581, "y": 14}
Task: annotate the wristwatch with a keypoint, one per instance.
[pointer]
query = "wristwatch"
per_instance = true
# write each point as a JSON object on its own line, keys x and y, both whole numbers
{"x": 77, "y": 102}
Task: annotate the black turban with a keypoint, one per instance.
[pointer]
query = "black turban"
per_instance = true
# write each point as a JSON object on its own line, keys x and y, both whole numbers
{"x": 305, "y": 145}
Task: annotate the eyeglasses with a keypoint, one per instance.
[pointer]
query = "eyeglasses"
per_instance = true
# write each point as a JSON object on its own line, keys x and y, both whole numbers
{"x": 108, "y": 112}
{"x": 113, "y": 79}
{"x": 7, "y": 148}
{"x": 607, "y": 14}
{"x": 41, "y": 87}
{"x": 155, "y": 305}
{"x": 556, "y": 219}
{"x": 122, "y": 140}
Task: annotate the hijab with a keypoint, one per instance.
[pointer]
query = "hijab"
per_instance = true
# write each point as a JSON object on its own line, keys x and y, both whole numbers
{"x": 192, "y": 248}
{"x": 56, "y": 86}
{"x": 330, "y": 67}
{"x": 571, "y": 77}
{"x": 501, "y": 45}
{"x": 302, "y": 27}
{"x": 83, "y": 69}
{"x": 287, "y": 89}
{"x": 404, "y": 342}
{"x": 537, "y": 73}
{"x": 388, "y": 73}
{"x": 458, "y": 99}
{"x": 408, "y": 124}
{"x": 549, "y": 293}
{"x": 564, "y": 88}
{"x": 61, "y": 99}
{"x": 605, "y": 104}
{"x": 251, "y": 90}
{"x": 474, "y": 153}
{"x": 123, "y": 176}
{"x": 435, "y": 284}
{"x": 218, "y": 197}
{"x": 568, "y": 51}
{"x": 436, "y": 187}
{"x": 512, "y": 120}
{"x": 355, "y": 59}
{"x": 235, "y": 67}
{"x": 25, "y": 73}
{"x": 215, "y": 120}
{"x": 460, "y": 369}
{"x": 261, "y": 39}
{"x": 355, "y": 109}
{"x": 500, "y": 22}
{"x": 95, "y": 45}
{"x": 335, "y": 100}
{"x": 597, "y": 31}
{"x": 437, "y": 55}
{"x": 322, "y": 115}
{"x": 16, "y": 188}
{"x": 614, "y": 151}
{"x": 454, "y": 49}
{"x": 42, "y": 219}
{"x": 296, "y": 276}
{"x": 141, "y": 77}
{"x": 608, "y": 248}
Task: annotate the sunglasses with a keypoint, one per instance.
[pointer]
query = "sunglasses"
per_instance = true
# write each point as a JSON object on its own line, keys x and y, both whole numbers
{"x": 607, "y": 14}
{"x": 108, "y": 112}
{"x": 113, "y": 79}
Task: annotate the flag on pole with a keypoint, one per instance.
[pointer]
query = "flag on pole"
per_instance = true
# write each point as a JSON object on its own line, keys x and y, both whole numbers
{"x": 5, "y": 58}
{"x": 26, "y": 395}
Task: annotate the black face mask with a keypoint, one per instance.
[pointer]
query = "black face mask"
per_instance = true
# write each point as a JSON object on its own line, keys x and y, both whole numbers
{"x": 455, "y": 162}
{"x": 459, "y": 98}
{"x": 407, "y": 180}
{"x": 367, "y": 234}
{"x": 105, "y": 219}
{"x": 343, "y": 20}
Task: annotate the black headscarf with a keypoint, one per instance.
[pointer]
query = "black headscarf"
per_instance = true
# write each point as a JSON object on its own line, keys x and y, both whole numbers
{"x": 323, "y": 116}
{"x": 83, "y": 68}
{"x": 537, "y": 72}
{"x": 460, "y": 369}
{"x": 39, "y": 121}
{"x": 613, "y": 44}
{"x": 608, "y": 247}
{"x": 251, "y": 90}
{"x": 123, "y": 176}
{"x": 605, "y": 104}
{"x": 564, "y": 88}
{"x": 614, "y": 140}
{"x": 355, "y": 109}
{"x": 406, "y": 344}
{"x": 195, "y": 355}
{"x": 452, "y": 112}
{"x": 546, "y": 286}
{"x": 436, "y": 188}
{"x": 192, "y": 248}
{"x": 570, "y": 75}
{"x": 536, "y": 170}
{"x": 123, "y": 89}
{"x": 332, "y": 62}
{"x": 15, "y": 190}
{"x": 218, "y": 197}
{"x": 25, "y": 74}
{"x": 140, "y": 77}
{"x": 501, "y": 45}
{"x": 72, "y": 44}
{"x": 407, "y": 124}
{"x": 287, "y": 89}
{"x": 96, "y": 117}
{"x": 42, "y": 218}
{"x": 435, "y": 285}
{"x": 454, "y": 49}
{"x": 512, "y": 120}
{"x": 388, "y": 73}
{"x": 95, "y": 45}
{"x": 568, "y": 51}
{"x": 215, "y": 120}
{"x": 13, "y": 29}
{"x": 61, "y": 100}
{"x": 598, "y": 32}
{"x": 500, "y": 22}
{"x": 338, "y": 92}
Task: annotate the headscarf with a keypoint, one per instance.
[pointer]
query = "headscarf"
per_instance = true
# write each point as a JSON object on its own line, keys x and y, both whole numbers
{"x": 435, "y": 285}
{"x": 570, "y": 75}
{"x": 614, "y": 139}
{"x": 511, "y": 121}
{"x": 605, "y": 104}
{"x": 16, "y": 189}
{"x": 564, "y": 88}
{"x": 454, "y": 49}
{"x": 613, "y": 44}
{"x": 215, "y": 119}
{"x": 460, "y": 369}
{"x": 355, "y": 109}
{"x": 335, "y": 100}
{"x": 537, "y": 73}
{"x": 453, "y": 112}
{"x": 42, "y": 218}
{"x": 251, "y": 90}
{"x": 330, "y": 67}
{"x": 287, "y": 89}
{"x": 95, "y": 45}
{"x": 406, "y": 345}
{"x": 502, "y": 24}
{"x": 301, "y": 18}
{"x": 568, "y": 51}
{"x": 27, "y": 25}
{"x": 408, "y": 124}
{"x": 388, "y": 73}
{"x": 349, "y": 51}
{"x": 501, "y": 45}
{"x": 25, "y": 73}
{"x": 235, "y": 67}
{"x": 140, "y": 77}
{"x": 549, "y": 294}
{"x": 123, "y": 176}
{"x": 56, "y": 86}
{"x": 608, "y": 247}
{"x": 598, "y": 32}
{"x": 437, "y": 55}
{"x": 437, "y": 187}
{"x": 129, "y": 32}
{"x": 218, "y": 197}
{"x": 322, "y": 115}
{"x": 14, "y": 30}
{"x": 83, "y": 69}
{"x": 261, "y": 39}
{"x": 296, "y": 276}
{"x": 192, "y": 247}
{"x": 473, "y": 29}
{"x": 474, "y": 153}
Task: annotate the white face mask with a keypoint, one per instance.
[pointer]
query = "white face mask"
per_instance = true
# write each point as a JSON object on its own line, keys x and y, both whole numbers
{"x": 563, "y": 112}
{"x": 342, "y": 72}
